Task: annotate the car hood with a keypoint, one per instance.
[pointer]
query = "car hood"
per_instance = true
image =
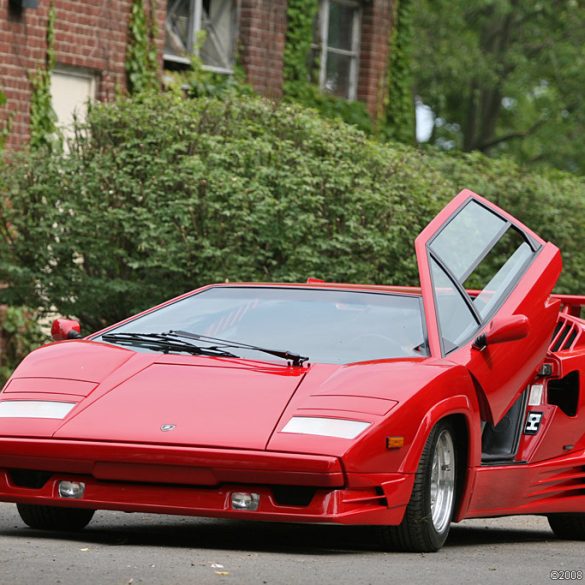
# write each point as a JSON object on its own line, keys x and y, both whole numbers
{"x": 122, "y": 395}
{"x": 126, "y": 396}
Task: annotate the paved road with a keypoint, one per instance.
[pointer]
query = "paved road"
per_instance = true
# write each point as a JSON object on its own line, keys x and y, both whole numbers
{"x": 123, "y": 549}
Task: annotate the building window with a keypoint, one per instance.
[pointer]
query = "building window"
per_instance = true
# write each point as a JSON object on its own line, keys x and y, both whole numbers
{"x": 203, "y": 27}
{"x": 339, "y": 30}
{"x": 71, "y": 91}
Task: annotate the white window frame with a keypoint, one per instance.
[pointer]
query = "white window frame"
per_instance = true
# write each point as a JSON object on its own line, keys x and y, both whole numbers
{"x": 354, "y": 53}
{"x": 195, "y": 21}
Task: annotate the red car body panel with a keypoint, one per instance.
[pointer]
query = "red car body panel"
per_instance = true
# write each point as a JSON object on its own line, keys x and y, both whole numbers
{"x": 229, "y": 416}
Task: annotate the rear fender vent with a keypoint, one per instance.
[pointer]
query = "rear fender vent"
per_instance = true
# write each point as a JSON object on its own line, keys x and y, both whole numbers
{"x": 562, "y": 484}
{"x": 568, "y": 334}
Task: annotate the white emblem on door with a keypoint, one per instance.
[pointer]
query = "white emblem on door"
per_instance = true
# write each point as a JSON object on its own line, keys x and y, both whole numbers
{"x": 533, "y": 423}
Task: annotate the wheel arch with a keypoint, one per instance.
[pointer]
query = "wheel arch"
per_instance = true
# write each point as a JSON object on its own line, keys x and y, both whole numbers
{"x": 465, "y": 420}
{"x": 458, "y": 406}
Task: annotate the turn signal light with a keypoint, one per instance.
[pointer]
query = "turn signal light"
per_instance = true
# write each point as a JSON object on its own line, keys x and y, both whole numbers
{"x": 394, "y": 442}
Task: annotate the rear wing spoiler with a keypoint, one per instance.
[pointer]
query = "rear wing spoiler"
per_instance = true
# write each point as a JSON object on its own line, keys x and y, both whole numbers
{"x": 571, "y": 304}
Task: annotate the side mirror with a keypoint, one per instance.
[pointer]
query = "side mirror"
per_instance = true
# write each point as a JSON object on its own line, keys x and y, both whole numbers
{"x": 504, "y": 329}
{"x": 65, "y": 329}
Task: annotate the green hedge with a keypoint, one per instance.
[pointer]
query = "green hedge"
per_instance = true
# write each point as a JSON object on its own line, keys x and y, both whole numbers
{"x": 20, "y": 333}
{"x": 162, "y": 195}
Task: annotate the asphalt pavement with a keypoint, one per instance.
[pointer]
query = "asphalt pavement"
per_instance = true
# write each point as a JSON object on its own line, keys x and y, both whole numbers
{"x": 133, "y": 549}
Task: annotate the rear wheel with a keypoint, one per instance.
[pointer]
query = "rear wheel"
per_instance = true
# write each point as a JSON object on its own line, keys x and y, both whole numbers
{"x": 569, "y": 526}
{"x": 428, "y": 516}
{"x": 54, "y": 518}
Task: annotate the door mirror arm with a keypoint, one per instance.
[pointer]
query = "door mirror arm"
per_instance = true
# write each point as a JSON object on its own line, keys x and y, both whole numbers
{"x": 480, "y": 342}
{"x": 502, "y": 329}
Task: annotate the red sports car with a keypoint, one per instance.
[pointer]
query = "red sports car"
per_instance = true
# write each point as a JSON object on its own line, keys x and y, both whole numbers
{"x": 405, "y": 408}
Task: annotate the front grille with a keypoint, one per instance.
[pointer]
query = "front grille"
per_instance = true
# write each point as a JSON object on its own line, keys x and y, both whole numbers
{"x": 285, "y": 495}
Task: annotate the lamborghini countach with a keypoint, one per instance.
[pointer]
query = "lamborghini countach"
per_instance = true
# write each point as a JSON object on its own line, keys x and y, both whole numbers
{"x": 404, "y": 408}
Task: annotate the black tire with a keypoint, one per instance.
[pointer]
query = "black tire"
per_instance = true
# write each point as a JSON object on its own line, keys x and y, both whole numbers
{"x": 417, "y": 532}
{"x": 569, "y": 526}
{"x": 54, "y": 518}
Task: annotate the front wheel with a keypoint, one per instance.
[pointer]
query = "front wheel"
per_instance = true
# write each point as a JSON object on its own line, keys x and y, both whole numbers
{"x": 54, "y": 518}
{"x": 428, "y": 515}
{"x": 568, "y": 526}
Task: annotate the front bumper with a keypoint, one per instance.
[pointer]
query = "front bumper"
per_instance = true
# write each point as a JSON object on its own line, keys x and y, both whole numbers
{"x": 199, "y": 482}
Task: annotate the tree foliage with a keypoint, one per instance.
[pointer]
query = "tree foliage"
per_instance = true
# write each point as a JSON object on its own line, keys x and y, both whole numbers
{"x": 163, "y": 195}
{"x": 505, "y": 77}
{"x": 20, "y": 333}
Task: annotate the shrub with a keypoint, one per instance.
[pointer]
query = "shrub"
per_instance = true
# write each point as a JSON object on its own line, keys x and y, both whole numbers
{"x": 162, "y": 195}
{"x": 20, "y": 333}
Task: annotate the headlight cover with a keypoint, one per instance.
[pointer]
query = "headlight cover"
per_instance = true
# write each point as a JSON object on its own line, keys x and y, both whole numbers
{"x": 325, "y": 427}
{"x": 34, "y": 409}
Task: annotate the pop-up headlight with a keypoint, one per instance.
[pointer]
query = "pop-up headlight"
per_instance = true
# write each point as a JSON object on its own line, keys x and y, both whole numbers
{"x": 34, "y": 409}
{"x": 326, "y": 427}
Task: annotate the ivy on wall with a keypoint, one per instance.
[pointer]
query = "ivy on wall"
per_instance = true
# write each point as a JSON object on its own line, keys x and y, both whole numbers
{"x": 399, "y": 123}
{"x": 43, "y": 120}
{"x": 301, "y": 67}
{"x": 298, "y": 68}
{"x": 142, "y": 67}
{"x": 5, "y": 125}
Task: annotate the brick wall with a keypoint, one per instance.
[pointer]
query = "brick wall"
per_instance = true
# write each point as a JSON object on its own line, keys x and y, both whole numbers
{"x": 376, "y": 27}
{"x": 262, "y": 32}
{"x": 91, "y": 35}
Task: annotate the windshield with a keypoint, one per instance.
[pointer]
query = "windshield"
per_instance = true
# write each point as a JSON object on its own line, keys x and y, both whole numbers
{"x": 329, "y": 326}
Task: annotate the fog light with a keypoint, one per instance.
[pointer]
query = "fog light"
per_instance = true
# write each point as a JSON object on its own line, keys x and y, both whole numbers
{"x": 71, "y": 489}
{"x": 245, "y": 501}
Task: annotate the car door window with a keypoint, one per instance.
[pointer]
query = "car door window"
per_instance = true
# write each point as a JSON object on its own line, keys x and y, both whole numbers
{"x": 457, "y": 321}
{"x": 466, "y": 237}
{"x": 476, "y": 259}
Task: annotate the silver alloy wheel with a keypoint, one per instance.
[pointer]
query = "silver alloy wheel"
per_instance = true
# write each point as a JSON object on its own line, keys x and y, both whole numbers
{"x": 443, "y": 481}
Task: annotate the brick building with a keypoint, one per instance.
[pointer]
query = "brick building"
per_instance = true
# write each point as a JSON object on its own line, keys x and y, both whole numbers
{"x": 351, "y": 37}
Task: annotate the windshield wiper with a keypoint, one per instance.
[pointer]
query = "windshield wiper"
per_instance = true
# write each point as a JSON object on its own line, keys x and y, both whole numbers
{"x": 165, "y": 342}
{"x": 294, "y": 358}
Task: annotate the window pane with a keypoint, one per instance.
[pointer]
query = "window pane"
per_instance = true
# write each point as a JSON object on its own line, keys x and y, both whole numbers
{"x": 466, "y": 238}
{"x": 498, "y": 270}
{"x": 178, "y": 25}
{"x": 337, "y": 75}
{"x": 218, "y": 23}
{"x": 456, "y": 321}
{"x": 341, "y": 19}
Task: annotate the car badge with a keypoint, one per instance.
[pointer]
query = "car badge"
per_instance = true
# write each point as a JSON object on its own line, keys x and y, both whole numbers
{"x": 533, "y": 421}
{"x": 166, "y": 428}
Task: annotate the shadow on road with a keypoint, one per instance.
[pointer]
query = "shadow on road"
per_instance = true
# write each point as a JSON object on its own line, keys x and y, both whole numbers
{"x": 259, "y": 536}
